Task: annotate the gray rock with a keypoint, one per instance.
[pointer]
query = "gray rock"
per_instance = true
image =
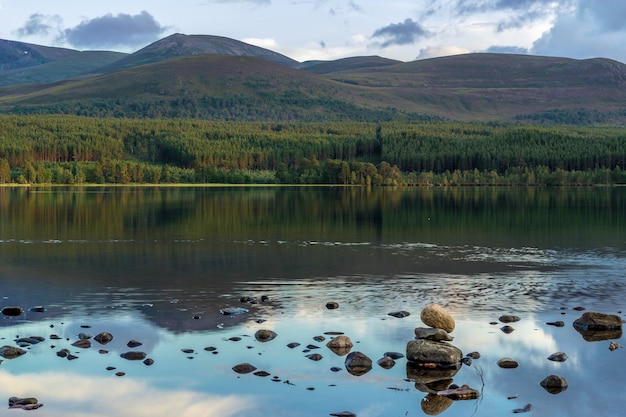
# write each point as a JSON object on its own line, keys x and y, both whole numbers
{"x": 558, "y": 357}
{"x": 508, "y": 363}
{"x": 343, "y": 414}
{"x": 358, "y": 363}
{"x": 508, "y": 318}
{"x": 394, "y": 355}
{"x": 526, "y": 409}
{"x": 103, "y": 338}
{"x": 11, "y": 352}
{"x": 558, "y": 323}
{"x": 340, "y": 345}
{"x": 82, "y": 343}
{"x": 315, "y": 357}
{"x": 592, "y": 321}
{"x": 429, "y": 333}
{"x": 386, "y": 362}
{"x": 12, "y": 311}
{"x": 399, "y": 314}
{"x": 134, "y": 356}
{"x": 507, "y": 329}
{"x": 233, "y": 311}
{"x": 464, "y": 392}
{"x": 438, "y": 354}
{"x": 265, "y": 335}
{"x": 244, "y": 368}
{"x": 133, "y": 343}
{"x": 435, "y": 316}
{"x": 554, "y": 384}
{"x": 331, "y": 305}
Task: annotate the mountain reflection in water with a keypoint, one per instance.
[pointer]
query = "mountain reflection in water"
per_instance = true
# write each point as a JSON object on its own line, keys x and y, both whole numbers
{"x": 158, "y": 264}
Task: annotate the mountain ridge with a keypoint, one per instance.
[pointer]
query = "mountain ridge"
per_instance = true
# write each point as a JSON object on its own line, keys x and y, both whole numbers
{"x": 179, "y": 78}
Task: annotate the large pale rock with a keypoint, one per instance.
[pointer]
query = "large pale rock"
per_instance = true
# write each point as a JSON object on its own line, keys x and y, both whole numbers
{"x": 433, "y": 354}
{"x": 340, "y": 345}
{"x": 436, "y": 317}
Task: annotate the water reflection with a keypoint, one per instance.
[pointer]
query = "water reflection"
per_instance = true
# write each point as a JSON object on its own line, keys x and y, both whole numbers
{"x": 67, "y": 394}
{"x": 158, "y": 265}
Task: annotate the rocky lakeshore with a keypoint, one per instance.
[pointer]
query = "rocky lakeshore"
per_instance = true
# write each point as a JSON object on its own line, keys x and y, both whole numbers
{"x": 430, "y": 357}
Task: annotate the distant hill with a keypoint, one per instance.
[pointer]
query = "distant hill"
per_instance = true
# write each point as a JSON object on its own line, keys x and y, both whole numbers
{"x": 23, "y": 63}
{"x": 345, "y": 64}
{"x": 179, "y": 45}
{"x": 212, "y": 77}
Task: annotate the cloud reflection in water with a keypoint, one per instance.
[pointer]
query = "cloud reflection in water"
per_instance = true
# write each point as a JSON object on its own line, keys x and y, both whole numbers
{"x": 67, "y": 394}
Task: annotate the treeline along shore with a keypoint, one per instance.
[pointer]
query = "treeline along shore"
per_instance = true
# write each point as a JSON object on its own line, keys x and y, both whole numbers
{"x": 60, "y": 149}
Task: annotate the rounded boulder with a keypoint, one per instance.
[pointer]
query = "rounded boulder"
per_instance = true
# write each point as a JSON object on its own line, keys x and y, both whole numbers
{"x": 437, "y": 317}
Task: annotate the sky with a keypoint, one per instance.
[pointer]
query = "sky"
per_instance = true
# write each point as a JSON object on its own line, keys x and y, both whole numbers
{"x": 330, "y": 29}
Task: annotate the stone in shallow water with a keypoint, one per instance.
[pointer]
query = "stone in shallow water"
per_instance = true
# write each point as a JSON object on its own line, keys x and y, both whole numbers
{"x": 507, "y": 329}
{"x": 103, "y": 338}
{"x": 134, "y": 356}
{"x": 265, "y": 335}
{"x": 464, "y": 392}
{"x": 554, "y": 384}
{"x": 82, "y": 343}
{"x": 133, "y": 343}
{"x": 244, "y": 368}
{"x": 508, "y": 318}
{"x": 11, "y": 352}
{"x": 433, "y": 353}
{"x": 508, "y": 363}
{"x": 592, "y": 321}
{"x": 399, "y": 314}
{"x": 386, "y": 362}
{"x": 526, "y": 409}
{"x": 233, "y": 311}
{"x": 435, "y": 316}
{"x": 357, "y": 363}
{"x": 432, "y": 334}
{"x": 13, "y": 311}
{"x": 558, "y": 357}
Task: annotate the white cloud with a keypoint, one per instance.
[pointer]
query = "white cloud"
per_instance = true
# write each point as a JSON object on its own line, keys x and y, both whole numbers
{"x": 437, "y": 51}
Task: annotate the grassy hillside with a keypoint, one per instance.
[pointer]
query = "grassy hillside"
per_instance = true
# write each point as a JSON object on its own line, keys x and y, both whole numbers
{"x": 480, "y": 87}
{"x": 346, "y": 64}
{"x": 22, "y": 63}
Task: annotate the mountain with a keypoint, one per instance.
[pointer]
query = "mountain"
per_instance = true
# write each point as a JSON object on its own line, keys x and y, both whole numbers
{"x": 23, "y": 63}
{"x": 179, "y": 45}
{"x": 219, "y": 78}
{"x": 346, "y": 64}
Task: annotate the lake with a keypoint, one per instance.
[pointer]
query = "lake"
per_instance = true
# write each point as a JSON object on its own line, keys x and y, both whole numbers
{"x": 158, "y": 264}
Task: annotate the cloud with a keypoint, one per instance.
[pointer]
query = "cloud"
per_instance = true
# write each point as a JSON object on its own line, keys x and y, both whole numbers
{"x": 39, "y": 24}
{"x": 592, "y": 30}
{"x": 403, "y": 33}
{"x": 109, "y": 31}
{"x": 437, "y": 51}
{"x": 496, "y": 49}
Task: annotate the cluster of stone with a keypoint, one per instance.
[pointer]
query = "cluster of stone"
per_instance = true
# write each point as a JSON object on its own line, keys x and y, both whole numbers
{"x": 433, "y": 361}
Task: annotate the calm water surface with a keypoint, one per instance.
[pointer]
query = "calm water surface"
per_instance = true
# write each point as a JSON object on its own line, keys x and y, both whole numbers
{"x": 157, "y": 265}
